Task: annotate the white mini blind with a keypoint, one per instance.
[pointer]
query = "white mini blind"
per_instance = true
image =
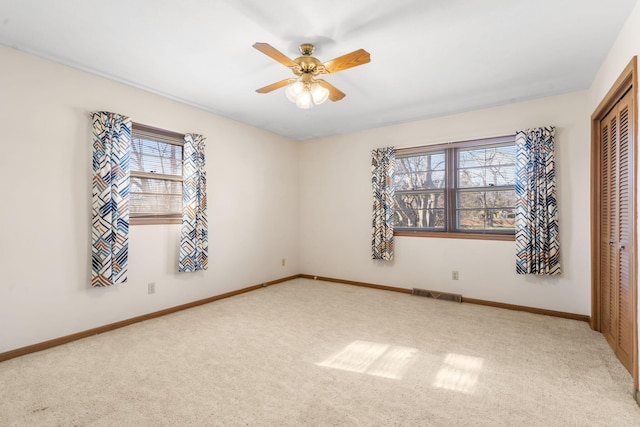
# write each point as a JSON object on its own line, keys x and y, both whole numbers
{"x": 156, "y": 173}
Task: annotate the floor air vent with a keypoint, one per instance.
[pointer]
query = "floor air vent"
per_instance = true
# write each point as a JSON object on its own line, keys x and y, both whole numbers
{"x": 436, "y": 295}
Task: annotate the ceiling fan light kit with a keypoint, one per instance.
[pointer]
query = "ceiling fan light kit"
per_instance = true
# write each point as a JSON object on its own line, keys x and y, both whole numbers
{"x": 306, "y": 90}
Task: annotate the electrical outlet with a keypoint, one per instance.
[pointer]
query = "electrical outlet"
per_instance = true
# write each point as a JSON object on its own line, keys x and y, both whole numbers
{"x": 284, "y": 261}
{"x": 151, "y": 288}
{"x": 454, "y": 275}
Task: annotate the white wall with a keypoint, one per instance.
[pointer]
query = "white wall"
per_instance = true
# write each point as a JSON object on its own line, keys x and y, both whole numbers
{"x": 45, "y": 161}
{"x": 336, "y": 202}
{"x": 626, "y": 46}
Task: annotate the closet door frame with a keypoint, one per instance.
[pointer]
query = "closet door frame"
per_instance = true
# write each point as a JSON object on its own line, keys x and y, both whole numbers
{"x": 628, "y": 80}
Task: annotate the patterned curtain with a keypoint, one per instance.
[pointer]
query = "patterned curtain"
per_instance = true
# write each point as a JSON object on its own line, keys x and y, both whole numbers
{"x": 110, "y": 200}
{"x": 382, "y": 164}
{"x": 194, "y": 241}
{"x": 537, "y": 243}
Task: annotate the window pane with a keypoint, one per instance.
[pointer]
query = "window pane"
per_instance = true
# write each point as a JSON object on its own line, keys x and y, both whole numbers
{"x": 419, "y": 210}
{"x": 155, "y": 204}
{"x": 155, "y": 186}
{"x": 419, "y": 218}
{"x": 155, "y": 197}
{"x": 155, "y": 157}
{"x": 486, "y": 219}
{"x": 504, "y": 219}
{"x": 486, "y": 199}
{"x": 420, "y": 172}
{"x": 486, "y": 167}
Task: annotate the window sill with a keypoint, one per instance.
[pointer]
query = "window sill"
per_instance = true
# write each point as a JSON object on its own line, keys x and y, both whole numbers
{"x": 450, "y": 235}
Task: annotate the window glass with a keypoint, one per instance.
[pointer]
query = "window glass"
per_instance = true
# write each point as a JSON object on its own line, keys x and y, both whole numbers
{"x": 156, "y": 156}
{"x": 420, "y": 210}
{"x": 464, "y": 187}
{"x": 420, "y": 172}
{"x": 484, "y": 167}
{"x": 156, "y": 176}
{"x": 155, "y": 197}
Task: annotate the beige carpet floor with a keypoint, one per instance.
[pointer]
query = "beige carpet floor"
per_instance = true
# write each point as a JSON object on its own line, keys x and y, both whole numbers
{"x": 313, "y": 353}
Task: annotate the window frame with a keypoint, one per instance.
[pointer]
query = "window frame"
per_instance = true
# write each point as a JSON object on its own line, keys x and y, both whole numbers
{"x": 452, "y": 189}
{"x": 169, "y": 137}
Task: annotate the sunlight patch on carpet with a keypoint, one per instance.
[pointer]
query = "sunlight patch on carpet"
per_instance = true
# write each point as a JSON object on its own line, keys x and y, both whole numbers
{"x": 381, "y": 360}
{"x": 459, "y": 373}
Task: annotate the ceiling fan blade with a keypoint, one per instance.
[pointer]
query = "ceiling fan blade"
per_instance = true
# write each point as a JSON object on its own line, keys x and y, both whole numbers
{"x": 274, "y": 53}
{"x": 276, "y": 85}
{"x": 335, "y": 94}
{"x": 353, "y": 59}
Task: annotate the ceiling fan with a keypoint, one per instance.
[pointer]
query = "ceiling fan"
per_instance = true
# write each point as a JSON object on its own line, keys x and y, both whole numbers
{"x": 305, "y": 89}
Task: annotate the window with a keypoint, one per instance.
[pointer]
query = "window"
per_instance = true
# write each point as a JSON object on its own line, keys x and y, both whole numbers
{"x": 463, "y": 189}
{"x": 156, "y": 176}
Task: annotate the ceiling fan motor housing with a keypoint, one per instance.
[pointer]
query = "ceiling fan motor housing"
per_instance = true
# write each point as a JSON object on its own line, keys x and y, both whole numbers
{"x": 308, "y": 65}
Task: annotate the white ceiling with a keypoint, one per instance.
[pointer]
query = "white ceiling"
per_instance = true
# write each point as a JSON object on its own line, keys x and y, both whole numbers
{"x": 428, "y": 57}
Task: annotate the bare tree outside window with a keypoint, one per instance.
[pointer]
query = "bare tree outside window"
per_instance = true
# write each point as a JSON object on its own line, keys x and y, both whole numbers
{"x": 463, "y": 187}
{"x": 156, "y": 175}
{"x": 485, "y": 197}
{"x": 419, "y": 187}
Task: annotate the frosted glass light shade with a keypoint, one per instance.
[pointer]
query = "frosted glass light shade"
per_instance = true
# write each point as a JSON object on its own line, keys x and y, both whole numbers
{"x": 319, "y": 93}
{"x": 304, "y": 100}
{"x": 294, "y": 90}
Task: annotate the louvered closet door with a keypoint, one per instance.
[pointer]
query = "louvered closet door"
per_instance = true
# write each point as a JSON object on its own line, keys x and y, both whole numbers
{"x": 608, "y": 226}
{"x": 616, "y": 220}
{"x": 625, "y": 213}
